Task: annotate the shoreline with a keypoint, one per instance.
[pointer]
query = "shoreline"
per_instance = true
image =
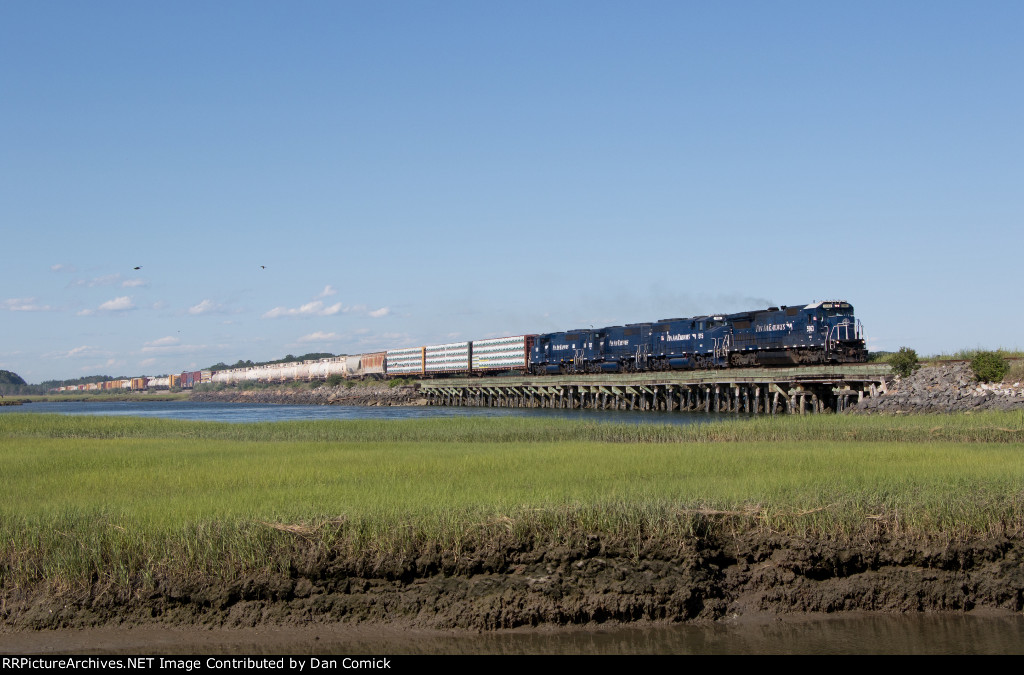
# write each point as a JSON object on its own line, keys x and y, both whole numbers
{"x": 977, "y": 631}
{"x": 499, "y": 584}
{"x": 361, "y": 395}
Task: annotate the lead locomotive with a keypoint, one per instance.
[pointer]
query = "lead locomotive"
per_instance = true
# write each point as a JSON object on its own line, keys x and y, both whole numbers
{"x": 822, "y": 332}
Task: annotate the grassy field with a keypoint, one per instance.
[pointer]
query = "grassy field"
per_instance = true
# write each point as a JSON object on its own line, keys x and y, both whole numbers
{"x": 122, "y": 500}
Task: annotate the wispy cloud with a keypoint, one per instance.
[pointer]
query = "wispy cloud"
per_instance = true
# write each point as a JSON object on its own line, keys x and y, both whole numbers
{"x": 315, "y": 308}
{"x": 109, "y": 363}
{"x": 134, "y": 283}
{"x": 85, "y": 351}
{"x": 204, "y": 307}
{"x": 163, "y": 342}
{"x": 318, "y": 308}
{"x": 105, "y": 280}
{"x": 24, "y": 305}
{"x": 319, "y": 336}
{"x": 61, "y": 267}
{"x": 170, "y": 348}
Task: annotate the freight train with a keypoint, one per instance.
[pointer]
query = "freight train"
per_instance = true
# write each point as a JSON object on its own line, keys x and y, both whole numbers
{"x": 818, "y": 333}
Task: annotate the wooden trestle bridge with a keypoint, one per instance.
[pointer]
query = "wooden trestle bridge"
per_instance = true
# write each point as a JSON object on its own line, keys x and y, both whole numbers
{"x": 802, "y": 389}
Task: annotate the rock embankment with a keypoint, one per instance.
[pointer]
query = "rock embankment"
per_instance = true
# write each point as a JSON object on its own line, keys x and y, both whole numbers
{"x": 372, "y": 395}
{"x": 944, "y": 389}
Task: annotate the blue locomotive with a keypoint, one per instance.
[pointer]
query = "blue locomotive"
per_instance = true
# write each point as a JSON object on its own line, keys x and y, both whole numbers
{"x": 821, "y": 332}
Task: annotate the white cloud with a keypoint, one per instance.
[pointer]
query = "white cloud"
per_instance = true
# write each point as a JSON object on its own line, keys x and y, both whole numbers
{"x": 315, "y": 308}
{"x": 319, "y": 336}
{"x": 204, "y": 307}
{"x": 170, "y": 348}
{"x": 133, "y": 283}
{"x": 163, "y": 342}
{"x": 106, "y": 280}
{"x": 85, "y": 351}
{"x": 318, "y": 308}
{"x": 24, "y": 305}
{"x": 95, "y": 366}
{"x": 117, "y": 304}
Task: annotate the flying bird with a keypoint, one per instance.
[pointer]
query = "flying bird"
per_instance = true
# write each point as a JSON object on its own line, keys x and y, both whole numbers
{"x": 263, "y": 267}
{"x": 138, "y": 267}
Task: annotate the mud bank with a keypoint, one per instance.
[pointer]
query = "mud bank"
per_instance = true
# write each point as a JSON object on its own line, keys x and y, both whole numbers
{"x": 373, "y": 395}
{"x": 499, "y": 584}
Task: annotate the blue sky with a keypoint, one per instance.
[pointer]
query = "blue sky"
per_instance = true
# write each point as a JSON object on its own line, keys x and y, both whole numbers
{"x": 419, "y": 172}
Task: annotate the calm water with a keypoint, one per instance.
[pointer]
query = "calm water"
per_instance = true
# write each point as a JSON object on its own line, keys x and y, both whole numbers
{"x": 269, "y": 412}
{"x": 858, "y": 634}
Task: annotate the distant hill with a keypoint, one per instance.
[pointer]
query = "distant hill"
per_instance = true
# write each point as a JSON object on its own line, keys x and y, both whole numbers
{"x": 7, "y": 377}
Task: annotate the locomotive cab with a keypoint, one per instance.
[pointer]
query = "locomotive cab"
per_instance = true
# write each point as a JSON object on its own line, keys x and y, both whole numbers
{"x": 844, "y": 335}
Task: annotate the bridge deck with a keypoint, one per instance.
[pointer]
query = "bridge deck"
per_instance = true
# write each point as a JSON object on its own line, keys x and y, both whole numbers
{"x": 792, "y": 389}
{"x": 851, "y": 372}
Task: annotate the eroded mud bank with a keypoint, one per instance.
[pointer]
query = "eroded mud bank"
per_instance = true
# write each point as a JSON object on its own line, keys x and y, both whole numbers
{"x": 496, "y": 585}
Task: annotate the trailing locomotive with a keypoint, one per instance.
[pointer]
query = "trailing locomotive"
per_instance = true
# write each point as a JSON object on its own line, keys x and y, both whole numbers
{"x": 818, "y": 333}
{"x": 822, "y": 332}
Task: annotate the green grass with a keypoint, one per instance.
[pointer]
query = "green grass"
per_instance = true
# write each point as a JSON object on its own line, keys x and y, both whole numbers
{"x": 968, "y": 354}
{"x": 122, "y": 501}
{"x": 996, "y": 427}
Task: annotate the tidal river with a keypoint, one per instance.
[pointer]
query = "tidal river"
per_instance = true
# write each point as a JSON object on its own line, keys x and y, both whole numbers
{"x": 270, "y": 412}
{"x": 839, "y": 634}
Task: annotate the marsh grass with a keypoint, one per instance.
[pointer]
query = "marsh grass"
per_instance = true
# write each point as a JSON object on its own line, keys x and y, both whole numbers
{"x": 968, "y": 354}
{"x": 117, "y": 502}
{"x": 986, "y": 427}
